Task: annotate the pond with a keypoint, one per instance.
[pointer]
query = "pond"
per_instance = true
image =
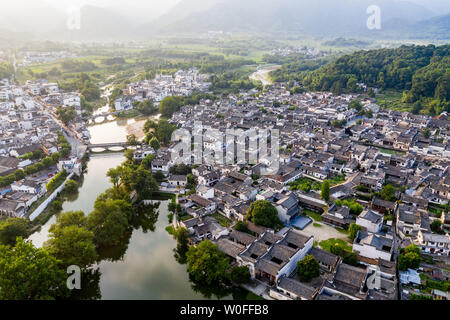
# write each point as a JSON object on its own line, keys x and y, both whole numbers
{"x": 148, "y": 269}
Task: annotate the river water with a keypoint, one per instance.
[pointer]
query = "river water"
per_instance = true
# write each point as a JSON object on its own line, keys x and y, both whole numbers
{"x": 148, "y": 269}
{"x": 262, "y": 74}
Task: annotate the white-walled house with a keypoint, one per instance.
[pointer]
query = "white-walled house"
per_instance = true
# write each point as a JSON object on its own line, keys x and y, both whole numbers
{"x": 205, "y": 192}
{"x": 431, "y": 243}
{"x": 28, "y": 186}
{"x": 370, "y": 220}
{"x": 373, "y": 246}
{"x": 271, "y": 257}
{"x": 72, "y": 101}
{"x": 177, "y": 180}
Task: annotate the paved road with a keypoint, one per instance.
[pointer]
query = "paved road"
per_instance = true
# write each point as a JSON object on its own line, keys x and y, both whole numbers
{"x": 78, "y": 148}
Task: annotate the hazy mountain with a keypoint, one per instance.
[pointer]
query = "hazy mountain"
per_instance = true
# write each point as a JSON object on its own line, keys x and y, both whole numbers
{"x": 97, "y": 24}
{"x": 319, "y": 17}
{"x": 131, "y": 19}
{"x": 437, "y": 27}
{"x": 8, "y": 37}
{"x": 29, "y": 16}
{"x": 438, "y": 6}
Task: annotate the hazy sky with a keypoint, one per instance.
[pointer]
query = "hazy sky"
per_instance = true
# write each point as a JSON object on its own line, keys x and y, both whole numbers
{"x": 157, "y": 5}
{"x": 41, "y": 16}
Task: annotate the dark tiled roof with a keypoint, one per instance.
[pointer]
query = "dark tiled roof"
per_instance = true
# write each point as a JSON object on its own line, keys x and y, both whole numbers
{"x": 324, "y": 257}
{"x": 241, "y": 237}
{"x": 298, "y": 288}
{"x": 229, "y": 247}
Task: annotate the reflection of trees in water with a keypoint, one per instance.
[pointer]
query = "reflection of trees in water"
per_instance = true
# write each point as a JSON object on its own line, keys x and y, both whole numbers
{"x": 72, "y": 197}
{"x": 182, "y": 237}
{"x": 145, "y": 218}
{"x": 116, "y": 252}
{"x": 90, "y": 286}
{"x": 218, "y": 290}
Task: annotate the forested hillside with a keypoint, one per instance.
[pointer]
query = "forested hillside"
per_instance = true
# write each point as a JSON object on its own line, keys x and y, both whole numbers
{"x": 422, "y": 73}
{"x": 6, "y": 70}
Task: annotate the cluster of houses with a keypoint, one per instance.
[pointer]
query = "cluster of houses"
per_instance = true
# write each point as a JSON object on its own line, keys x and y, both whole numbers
{"x": 309, "y": 53}
{"x": 28, "y": 133}
{"x": 387, "y": 148}
{"x": 37, "y": 57}
{"x": 182, "y": 83}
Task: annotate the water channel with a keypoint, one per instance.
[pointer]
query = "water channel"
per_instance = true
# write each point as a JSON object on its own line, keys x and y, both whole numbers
{"x": 148, "y": 269}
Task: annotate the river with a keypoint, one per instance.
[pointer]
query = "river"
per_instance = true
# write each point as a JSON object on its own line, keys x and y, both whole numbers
{"x": 262, "y": 74}
{"x": 148, "y": 269}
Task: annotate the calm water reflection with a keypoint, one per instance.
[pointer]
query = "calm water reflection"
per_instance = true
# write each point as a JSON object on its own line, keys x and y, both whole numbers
{"x": 109, "y": 132}
{"x": 148, "y": 269}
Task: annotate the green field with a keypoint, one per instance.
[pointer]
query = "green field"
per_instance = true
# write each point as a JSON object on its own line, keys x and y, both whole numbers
{"x": 327, "y": 244}
{"x": 393, "y": 100}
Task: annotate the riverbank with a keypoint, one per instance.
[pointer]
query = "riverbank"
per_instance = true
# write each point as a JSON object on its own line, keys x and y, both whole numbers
{"x": 263, "y": 74}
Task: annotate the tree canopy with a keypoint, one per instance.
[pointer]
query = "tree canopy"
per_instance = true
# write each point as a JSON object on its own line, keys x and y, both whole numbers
{"x": 420, "y": 71}
{"x": 12, "y": 228}
{"x": 240, "y": 275}
{"x": 263, "y": 213}
{"x": 29, "y": 273}
{"x": 325, "y": 191}
{"x": 410, "y": 258}
{"x": 308, "y": 268}
{"x": 207, "y": 263}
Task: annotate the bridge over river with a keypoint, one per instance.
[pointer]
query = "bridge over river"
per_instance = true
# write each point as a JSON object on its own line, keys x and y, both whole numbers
{"x": 103, "y": 117}
{"x": 109, "y": 146}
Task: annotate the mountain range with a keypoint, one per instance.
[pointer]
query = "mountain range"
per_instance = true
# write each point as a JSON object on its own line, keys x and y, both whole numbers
{"x": 320, "y": 17}
{"x": 325, "y": 18}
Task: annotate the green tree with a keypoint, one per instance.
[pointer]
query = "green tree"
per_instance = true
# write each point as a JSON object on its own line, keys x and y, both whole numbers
{"x": 410, "y": 258}
{"x": 207, "y": 263}
{"x": 69, "y": 218}
{"x": 353, "y": 230}
{"x": 66, "y": 114}
{"x": 12, "y": 228}
{"x": 241, "y": 226}
{"x": 388, "y": 193}
{"x": 73, "y": 245}
{"x": 29, "y": 273}
{"x": 426, "y": 133}
{"x": 56, "y": 181}
{"x": 56, "y": 206}
{"x": 146, "y": 107}
{"x": 240, "y": 275}
{"x": 355, "y": 208}
{"x": 159, "y": 176}
{"x": 19, "y": 174}
{"x": 325, "y": 191}
{"x": 436, "y": 226}
{"x": 170, "y": 105}
{"x": 263, "y": 213}
{"x": 308, "y": 268}
{"x": 114, "y": 175}
{"x": 71, "y": 186}
{"x": 154, "y": 143}
{"x": 164, "y": 131}
{"x": 351, "y": 84}
{"x": 129, "y": 155}
{"x": 355, "y": 104}
{"x": 132, "y": 140}
{"x": 109, "y": 221}
{"x": 146, "y": 163}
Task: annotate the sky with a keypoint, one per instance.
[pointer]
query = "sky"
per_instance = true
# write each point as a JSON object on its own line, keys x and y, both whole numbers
{"x": 41, "y": 16}
{"x": 157, "y": 5}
